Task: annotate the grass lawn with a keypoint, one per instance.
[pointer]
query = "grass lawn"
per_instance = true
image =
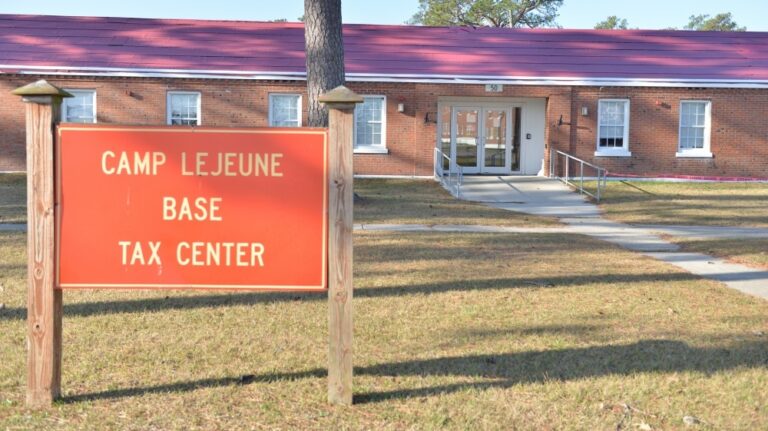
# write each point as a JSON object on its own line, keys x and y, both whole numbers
{"x": 426, "y": 202}
{"x": 710, "y": 204}
{"x": 452, "y": 331}
{"x": 13, "y": 198}
{"x": 750, "y": 252}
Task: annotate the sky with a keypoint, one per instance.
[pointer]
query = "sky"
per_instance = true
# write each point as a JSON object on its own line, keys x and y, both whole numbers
{"x": 650, "y": 14}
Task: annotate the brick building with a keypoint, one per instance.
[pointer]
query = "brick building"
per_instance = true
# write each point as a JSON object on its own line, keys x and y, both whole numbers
{"x": 493, "y": 100}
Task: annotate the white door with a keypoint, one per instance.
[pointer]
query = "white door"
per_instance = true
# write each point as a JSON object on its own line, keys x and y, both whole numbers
{"x": 481, "y": 139}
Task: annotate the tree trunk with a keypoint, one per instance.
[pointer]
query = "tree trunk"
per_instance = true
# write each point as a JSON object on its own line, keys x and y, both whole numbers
{"x": 324, "y": 53}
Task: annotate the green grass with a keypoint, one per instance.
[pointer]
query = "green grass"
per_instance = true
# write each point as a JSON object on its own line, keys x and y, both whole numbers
{"x": 426, "y": 202}
{"x": 13, "y": 198}
{"x": 452, "y": 331}
{"x": 709, "y": 204}
{"x": 750, "y": 252}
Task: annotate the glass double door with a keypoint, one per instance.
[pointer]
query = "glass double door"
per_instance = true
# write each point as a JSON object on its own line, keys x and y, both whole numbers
{"x": 484, "y": 139}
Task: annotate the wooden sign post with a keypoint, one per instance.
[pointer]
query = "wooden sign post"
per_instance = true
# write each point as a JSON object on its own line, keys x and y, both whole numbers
{"x": 341, "y": 103}
{"x": 43, "y": 105}
{"x": 161, "y": 207}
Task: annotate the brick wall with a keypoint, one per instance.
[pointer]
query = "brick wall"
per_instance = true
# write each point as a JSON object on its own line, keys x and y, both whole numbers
{"x": 739, "y": 138}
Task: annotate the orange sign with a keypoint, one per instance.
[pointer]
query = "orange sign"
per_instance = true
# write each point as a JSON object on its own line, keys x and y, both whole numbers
{"x": 192, "y": 208}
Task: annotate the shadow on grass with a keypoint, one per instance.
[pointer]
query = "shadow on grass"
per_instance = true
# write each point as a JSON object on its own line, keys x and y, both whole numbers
{"x": 11, "y": 268}
{"x": 151, "y": 305}
{"x": 507, "y": 369}
{"x": 578, "y": 330}
{"x": 628, "y": 184}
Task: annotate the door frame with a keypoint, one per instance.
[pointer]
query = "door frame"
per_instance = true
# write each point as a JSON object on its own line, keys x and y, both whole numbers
{"x": 482, "y": 106}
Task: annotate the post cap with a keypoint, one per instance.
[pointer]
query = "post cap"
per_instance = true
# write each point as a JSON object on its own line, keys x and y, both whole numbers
{"x": 40, "y": 88}
{"x": 342, "y": 95}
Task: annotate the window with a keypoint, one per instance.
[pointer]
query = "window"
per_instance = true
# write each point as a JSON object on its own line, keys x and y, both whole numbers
{"x": 613, "y": 128}
{"x": 81, "y": 108}
{"x": 370, "y": 125}
{"x": 184, "y": 108}
{"x": 285, "y": 110}
{"x": 695, "y": 119}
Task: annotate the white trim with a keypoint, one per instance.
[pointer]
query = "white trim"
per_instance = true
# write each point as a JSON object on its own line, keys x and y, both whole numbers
{"x": 501, "y": 78}
{"x": 373, "y": 77}
{"x": 400, "y": 177}
{"x": 704, "y": 152}
{"x": 147, "y": 70}
{"x": 299, "y": 107}
{"x": 381, "y": 148}
{"x": 694, "y": 154}
{"x": 74, "y": 91}
{"x": 183, "y": 286}
{"x": 371, "y": 150}
{"x": 684, "y": 180}
{"x": 675, "y": 180}
{"x": 622, "y": 151}
{"x": 564, "y": 81}
{"x": 439, "y": 161}
{"x": 616, "y": 153}
{"x": 183, "y": 93}
{"x": 490, "y": 100}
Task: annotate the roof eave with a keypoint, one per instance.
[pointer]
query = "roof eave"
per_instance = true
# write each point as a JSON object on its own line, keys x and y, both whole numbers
{"x": 394, "y": 78}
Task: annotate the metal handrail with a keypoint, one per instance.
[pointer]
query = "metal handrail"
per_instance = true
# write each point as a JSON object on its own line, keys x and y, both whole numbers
{"x": 601, "y": 173}
{"x": 455, "y": 176}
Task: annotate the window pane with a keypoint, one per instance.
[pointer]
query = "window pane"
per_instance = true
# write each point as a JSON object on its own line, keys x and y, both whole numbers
{"x": 183, "y": 109}
{"x": 611, "y": 123}
{"x": 285, "y": 110}
{"x": 360, "y": 137}
{"x": 618, "y": 114}
{"x": 612, "y": 113}
{"x": 685, "y": 118}
{"x": 693, "y": 123}
{"x": 80, "y": 108}
{"x": 369, "y": 121}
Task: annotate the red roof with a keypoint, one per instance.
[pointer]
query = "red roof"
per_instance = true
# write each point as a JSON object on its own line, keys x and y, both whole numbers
{"x": 379, "y": 52}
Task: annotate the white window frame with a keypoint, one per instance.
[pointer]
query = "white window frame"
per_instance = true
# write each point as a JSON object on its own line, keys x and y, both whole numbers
{"x": 183, "y": 93}
{"x": 705, "y": 152}
{"x": 299, "y": 106}
{"x": 74, "y": 91}
{"x": 622, "y": 151}
{"x": 372, "y": 149}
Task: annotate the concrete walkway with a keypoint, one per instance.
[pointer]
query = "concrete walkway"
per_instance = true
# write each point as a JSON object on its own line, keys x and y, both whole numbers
{"x": 544, "y": 196}
{"x": 13, "y": 227}
{"x": 742, "y": 278}
{"x": 707, "y": 232}
{"x": 532, "y": 195}
{"x": 467, "y": 228}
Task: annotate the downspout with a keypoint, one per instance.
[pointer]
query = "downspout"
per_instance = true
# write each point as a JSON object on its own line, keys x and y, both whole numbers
{"x": 574, "y": 123}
